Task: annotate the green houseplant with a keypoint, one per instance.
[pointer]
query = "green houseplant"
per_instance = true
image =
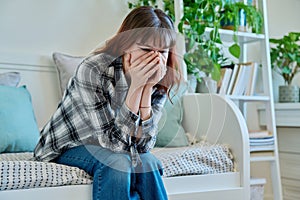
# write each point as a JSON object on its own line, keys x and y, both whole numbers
{"x": 203, "y": 51}
{"x": 285, "y": 60}
{"x": 168, "y": 5}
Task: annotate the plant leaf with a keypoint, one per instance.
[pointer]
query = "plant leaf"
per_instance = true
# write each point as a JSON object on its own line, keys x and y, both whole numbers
{"x": 216, "y": 72}
{"x": 235, "y": 50}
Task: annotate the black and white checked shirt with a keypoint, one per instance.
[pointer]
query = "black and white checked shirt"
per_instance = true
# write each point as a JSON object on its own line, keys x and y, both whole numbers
{"x": 93, "y": 111}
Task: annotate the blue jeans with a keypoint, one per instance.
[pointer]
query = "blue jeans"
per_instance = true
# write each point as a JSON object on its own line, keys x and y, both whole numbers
{"x": 114, "y": 178}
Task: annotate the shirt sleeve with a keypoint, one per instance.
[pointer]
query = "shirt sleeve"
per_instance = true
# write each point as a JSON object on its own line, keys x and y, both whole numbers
{"x": 150, "y": 126}
{"x": 112, "y": 129}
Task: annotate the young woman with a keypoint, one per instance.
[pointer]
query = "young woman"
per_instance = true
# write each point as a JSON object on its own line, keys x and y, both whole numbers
{"x": 107, "y": 120}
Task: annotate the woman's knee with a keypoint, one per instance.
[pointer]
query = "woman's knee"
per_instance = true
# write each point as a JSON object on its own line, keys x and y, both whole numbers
{"x": 118, "y": 161}
{"x": 150, "y": 163}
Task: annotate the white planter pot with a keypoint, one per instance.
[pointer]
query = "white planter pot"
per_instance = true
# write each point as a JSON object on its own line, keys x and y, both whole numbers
{"x": 207, "y": 85}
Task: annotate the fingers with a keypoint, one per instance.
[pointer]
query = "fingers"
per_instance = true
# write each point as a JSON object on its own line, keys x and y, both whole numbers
{"x": 145, "y": 59}
{"x": 150, "y": 68}
{"x": 157, "y": 73}
{"x": 153, "y": 69}
{"x": 151, "y": 65}
{"x": 158, "y": 64}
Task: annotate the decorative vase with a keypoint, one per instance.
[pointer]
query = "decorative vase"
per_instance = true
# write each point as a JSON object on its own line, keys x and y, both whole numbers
{"x": 192, "y": 81}
{"x": 207, "y": 85}
{"x": 288, "y": 93}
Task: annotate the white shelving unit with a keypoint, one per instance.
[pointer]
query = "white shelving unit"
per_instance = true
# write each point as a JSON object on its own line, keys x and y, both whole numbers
{"x": 266, "y": 98}
{"x": 269, "y": 154}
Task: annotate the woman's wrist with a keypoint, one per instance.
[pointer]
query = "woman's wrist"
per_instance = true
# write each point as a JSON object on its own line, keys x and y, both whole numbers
{"x": 145, "y": 113}
{"x": 145, "y": 104}
{"x": 133, "y": 99}
{"x": 146, "y": 97}
{"x": 146, "y": 107}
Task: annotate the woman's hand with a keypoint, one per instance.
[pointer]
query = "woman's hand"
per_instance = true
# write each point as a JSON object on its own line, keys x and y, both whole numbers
{"x": 141, "y": 69}
{"x": 139, "y": 72}
{"x": 160, "y": 73}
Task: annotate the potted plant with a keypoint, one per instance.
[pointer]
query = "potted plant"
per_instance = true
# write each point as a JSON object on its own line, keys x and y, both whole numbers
{"x": 285, "y": 60}
{"x": 204, "y": 51}
{"x": 202, "y": 69}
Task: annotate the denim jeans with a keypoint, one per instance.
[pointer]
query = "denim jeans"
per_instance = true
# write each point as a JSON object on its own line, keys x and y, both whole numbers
{"x": 114, "y": 178}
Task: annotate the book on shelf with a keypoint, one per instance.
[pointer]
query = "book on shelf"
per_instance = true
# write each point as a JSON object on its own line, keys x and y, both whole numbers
{"x": 224, "y": 80}
{"x": 259, "y": 134}
{"x": 261, "y": 148}
{"x": 250, "y": 89}
{"x": 243, "y": 79}
{"x": 261, "y": 141}
{"x": 232, "y": 79}
{"x": 261, "y": 138}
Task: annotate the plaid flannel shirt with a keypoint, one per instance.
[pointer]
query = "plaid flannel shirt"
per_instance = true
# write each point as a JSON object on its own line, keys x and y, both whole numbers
{"x": 93, "y": 111}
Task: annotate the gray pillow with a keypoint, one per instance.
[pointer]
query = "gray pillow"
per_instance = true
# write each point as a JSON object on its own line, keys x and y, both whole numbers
{"x": 66, "y": 66}
{"x": 10, "y": 79}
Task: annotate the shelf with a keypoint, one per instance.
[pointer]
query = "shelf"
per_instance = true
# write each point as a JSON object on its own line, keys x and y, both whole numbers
{"x": 257, "y": 181}
{"x": 249, "y": 98}
{"x": 287, "y": 106}
{"x": 287, "y": 114}
{"x": 260, "y": 152}
{"x": 243, "y": 37}
{"x": 262, "y": 158}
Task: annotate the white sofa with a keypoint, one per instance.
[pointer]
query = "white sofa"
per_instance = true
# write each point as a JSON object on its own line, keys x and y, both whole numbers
{"x": 211, "y": 117}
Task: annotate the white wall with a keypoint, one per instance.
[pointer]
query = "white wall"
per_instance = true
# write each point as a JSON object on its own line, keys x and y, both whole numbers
{"x": 77, "y": 26}
{"x": 70, "y": 26}
{"x": 283, "y": 17}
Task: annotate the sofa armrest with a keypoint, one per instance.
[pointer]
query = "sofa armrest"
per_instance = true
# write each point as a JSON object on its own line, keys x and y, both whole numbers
{"x": 217, "y": 119}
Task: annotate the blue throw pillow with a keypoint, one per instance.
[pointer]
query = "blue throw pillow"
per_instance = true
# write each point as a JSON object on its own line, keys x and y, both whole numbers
{"x": 18, "y": 127}
{"x": 171, "y": 132}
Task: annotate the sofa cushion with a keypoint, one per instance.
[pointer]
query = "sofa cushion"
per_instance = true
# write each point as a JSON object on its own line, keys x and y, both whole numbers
{"x": 18, "y": 128}
{"x": 66, "y": 66}
{"x": 171, "y": 133}
{"x": 10, "y": 79}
